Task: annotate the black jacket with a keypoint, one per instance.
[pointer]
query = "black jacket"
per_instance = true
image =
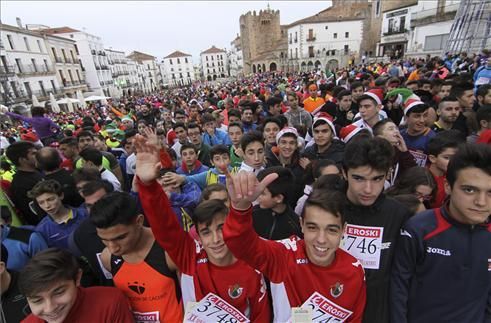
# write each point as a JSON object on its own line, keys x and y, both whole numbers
{"x": 390, "y": 215}
{"x": 275, "y": 226}
{"x": 335, "y": 152}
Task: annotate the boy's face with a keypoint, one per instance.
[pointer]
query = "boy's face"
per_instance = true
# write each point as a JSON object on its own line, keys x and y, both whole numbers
{"x": 254, "y": 154}
{"x": 220, "y": 161}
{"x": 85, "y": 142}
{"x": 322, "y": 135}
{"x": 181, "y": 134}
{"x": 50, "y": 203}
{"x": 211, "y": 237}
{"x": 322, "y": 234}
{"x": 287, "y": 146}
{"x": 426, "y": 87}
{"x": 235, "y": 134}
{"x": 233, "y": 119}
{"x": 54, "y": 304}
{"x": 486, "y": 99}
{"x": 368, "y": 109}
{"x": 444, "y": 91}
{"x": 467, "y": 99}
{"x": 345, "y": 103}
{"x": 416, "y": 122}
{"x": 120, "y": 239}
{"x": 189, "y": 156}
{"x": 267, "y": 201}
{"x": 470, "y": 196}
{"x": 390, "y": 132}
{"x": 247, "y": 115}
{"x": 441, "y": 161}
{"x": 194, "y": 135}
{"x": 356, "y": 93}
{"x": 449, "y": 111}
{"x": 365, "y": 184}
{"x": 269, "y": 132}
{"x": 220, "y": 195}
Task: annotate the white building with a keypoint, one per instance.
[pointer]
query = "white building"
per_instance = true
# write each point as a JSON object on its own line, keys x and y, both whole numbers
{"x": 118, "y": 65}
{"x": 214, "y": 63}
{"x": 149, "y": 72}
{"x": 430, "y": 26}
{"x": 136, "y": 85}
{"x": 235, "y": 58}
{"x": 394, "y": 37}
{"x": 26, "y": 66}
{"x": 177, "y": 69}
{"x": 317, "y": 42}
{"x": 90, "y": 50}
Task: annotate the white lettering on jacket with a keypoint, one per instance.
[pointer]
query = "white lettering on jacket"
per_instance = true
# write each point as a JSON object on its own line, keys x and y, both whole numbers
{"x": 438, "y": 251}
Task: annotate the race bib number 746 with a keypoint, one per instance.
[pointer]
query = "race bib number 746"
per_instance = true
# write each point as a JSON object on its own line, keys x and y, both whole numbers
{"x": 364, "y": 243}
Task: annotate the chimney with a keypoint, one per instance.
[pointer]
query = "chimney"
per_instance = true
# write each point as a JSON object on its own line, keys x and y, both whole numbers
{"x": 19, "y": 22}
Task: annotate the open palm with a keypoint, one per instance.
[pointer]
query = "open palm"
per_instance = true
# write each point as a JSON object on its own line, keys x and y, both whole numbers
{"x": 147, "y": 160}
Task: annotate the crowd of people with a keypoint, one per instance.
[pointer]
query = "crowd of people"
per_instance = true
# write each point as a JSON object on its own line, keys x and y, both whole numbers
{"x": 359, "y": 195}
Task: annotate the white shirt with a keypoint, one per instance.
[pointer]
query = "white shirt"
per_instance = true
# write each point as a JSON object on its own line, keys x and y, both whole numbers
{"x": 110, "y": 177}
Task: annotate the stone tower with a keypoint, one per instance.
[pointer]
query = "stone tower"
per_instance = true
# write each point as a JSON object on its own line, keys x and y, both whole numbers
{"x": 258, "y": 34}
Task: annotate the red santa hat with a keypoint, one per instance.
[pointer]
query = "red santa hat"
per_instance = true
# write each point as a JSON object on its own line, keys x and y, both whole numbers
{"x": 411, "y": 103}
{"x": 324, "y": 117}
{"x": 376, "y": 93}
{"x": 349, "y": 132}
{"x": 285, "y": 131}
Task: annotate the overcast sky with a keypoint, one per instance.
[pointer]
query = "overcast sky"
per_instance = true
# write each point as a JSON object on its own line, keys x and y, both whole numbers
{"x": 154, "y": 27}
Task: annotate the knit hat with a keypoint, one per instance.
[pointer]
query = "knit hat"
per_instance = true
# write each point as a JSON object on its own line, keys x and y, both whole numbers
{"x": 285, "y": 131}
{"x": 409, "y": 99}
{"x": 324, "y": 117}
{"x": 376, "y": 94}
{"x": 349, "y": 132}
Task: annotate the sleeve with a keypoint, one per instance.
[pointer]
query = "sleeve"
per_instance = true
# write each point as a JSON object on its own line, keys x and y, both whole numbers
{"x": 406, "y": 255}
{"x": 121, "y": 312}
{"x": 269, "y": 257}
{"x": 189, "y": 196}
{"x": 53, "y": 125}
{"x": 165, "y": 226}
{"x": 260, "y": 303}
{"x": 36, "y": 244}
{"x": 359, "y": 306}
{"x": 198, "y": 179}
{"x": 18, "y": 116}
{"x": 406, "y": 160}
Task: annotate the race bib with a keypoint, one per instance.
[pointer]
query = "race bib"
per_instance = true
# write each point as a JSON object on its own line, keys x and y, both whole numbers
{"x": 324, "y": 310}
{"x": 147, "y": 317}
{"x": 214, "y": 309}
{"x": 363, "y": 243}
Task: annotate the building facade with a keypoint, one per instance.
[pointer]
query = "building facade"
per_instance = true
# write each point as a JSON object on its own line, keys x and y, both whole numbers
{"x": 26, "y": 67}
{"x": 235, "y": 58}
{"x": 214, "y": 63}
{"x": 148, "y": 71}
{"x": 177, "y": 69}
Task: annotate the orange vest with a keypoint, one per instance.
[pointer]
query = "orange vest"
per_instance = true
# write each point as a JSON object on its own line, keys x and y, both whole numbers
{"x": 151, "y": 288}
{"x": 310, "y": 104}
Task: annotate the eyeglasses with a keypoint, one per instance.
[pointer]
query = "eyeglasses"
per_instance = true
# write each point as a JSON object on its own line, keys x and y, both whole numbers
{"x": 423, "y": 197}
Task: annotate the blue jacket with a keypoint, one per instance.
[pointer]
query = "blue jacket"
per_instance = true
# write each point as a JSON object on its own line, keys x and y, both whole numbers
{"x": 441, "y": 271}
{"x": 184, "y": 203}
{"x": 219, "y": 138}
{"x": 482, "y": 76}
{"x": 22, "y": 244}
{"x": 56, "y": 234}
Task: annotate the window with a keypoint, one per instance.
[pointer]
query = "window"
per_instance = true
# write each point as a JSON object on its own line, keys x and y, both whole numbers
{"x": 346, "y": 49}
{"x": 435, "y": 42}
{"x": 212, "y": 58}
{"x": 326, "y": 27}
{"x": 41, "y": 86}
{"x": 402, "y": 24}
{"x": 173, "y": 76}
{"x": 14, "y": 88}
{"x": 311, "y": 51}
{"x": 53, "y": 50}
{"x": 28, "y": 89}
{"x": 296, "y": 52}
{"x": 391, "y": 25}
{"x": 70, "y": 75}
{"x": 64, "y": 54}
{"x": 291, "y": 52}
{"x": 11, "y": 42}
{"x": 178, "y": 61}
{"x": 73, "y": 57}
{"x": 189, "y": 74}
{"x": 39, "y": 46}
{"x": 346, "y": 35}
{"x": 46, "y": 66}
{"x": 170, "y": 61}
{"x": 76, "y": 49}
{"x": 78, "y": 76}
{"x": 33, "y": 62}
{"x": 18, "y": 62}
{"x": 206, "y": 58}
{"x": 335, "y": 35}
{"x": 377, "y": 8}
{"x": 53, "y": 86}
{"x": 296, "y": 38}
{"x": 180, "y": 75}
{"x": 311, "y": 34}
{"x": 26, "y": 42}
{"x": 186, "y": 60}
{"x": 221, "y": 57}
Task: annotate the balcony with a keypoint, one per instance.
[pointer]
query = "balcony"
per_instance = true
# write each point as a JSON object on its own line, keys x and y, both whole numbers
{"x": 7, "y": 71}
{"x": 97, "y": 67}
{"x": 58, "y": 59}
{"x": 394, "y": 36}
{"x": 68, "y": 61}
{"x": 93, "y": 52}
{"x": 34, "y": 70}
{"x": 311, "y": 38}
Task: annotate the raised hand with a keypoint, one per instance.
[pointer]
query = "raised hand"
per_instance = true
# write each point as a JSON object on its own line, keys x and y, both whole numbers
{"x": 244, "y": 188}
{"x": 152, "y": 138}
{"x": 147, "y": 160}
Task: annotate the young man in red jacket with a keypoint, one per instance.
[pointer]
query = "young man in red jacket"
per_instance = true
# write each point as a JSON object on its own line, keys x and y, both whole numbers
{"x": 206, "y": 266}
{"x": 311, "y": 272}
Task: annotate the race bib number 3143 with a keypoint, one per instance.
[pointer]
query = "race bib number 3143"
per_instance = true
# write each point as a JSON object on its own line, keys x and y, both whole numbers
{"x": 364, "y": 243}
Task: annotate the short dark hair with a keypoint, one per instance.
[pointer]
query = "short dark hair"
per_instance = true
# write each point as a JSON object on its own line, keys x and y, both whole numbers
{"x": 93, "y": 155}
{"x": 268, "y": 120}
{"x": 412, "y": 82}
{"x": 70, "y": 141}
{"x": 483, "y": 89}
{"x": 408, "y": 181}
{"x": 250, "y": 137}
{"x": 188, "y": 145}
{"x": 18, "y": 150}
{"x": 376, "y": 153}
{"x": 234, "y": 113}
{"x": 420, "y": 108}
{"x": 93, "y": 186}
{"x": 46, "y": 268}
{"x": 282, "y": 184}
{"x": 272, "y": 101}
{"x": 47, "y": 186}
{"x": 469, "y": 155}
{"x": 377, "y": 128}
{"x": 207, "y": 117}
{"x": 210, "y": 188}
{"x": 85, "y": 175}
{"x": 236, "y": 124}
{"x": 194, "y": 125}
{"x": 459, "y": 89}
{"x": 342, "y": 93}
{"x": 206, "y": 211}
{"x": 218, "y": 150}
{"x": 331, "y": 182}
{"x": 443, "y": 140}
{"x": 449, "y": 98}
{"x": 484, "y": 113}
{"x": 332, "y": 201}
{"x": 48, "y": 159}
{"x": 179, "y": 111}
{"x": 113, "y": 209}
{"x": 179, "y": 125}
{"x": 85, "y": 133}
{"x": 355, "y": 85}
